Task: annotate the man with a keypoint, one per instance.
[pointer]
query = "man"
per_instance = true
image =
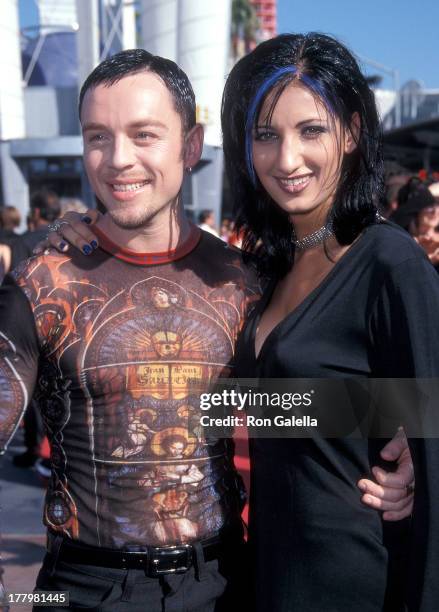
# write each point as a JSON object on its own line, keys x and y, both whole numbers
{"x": 142, "y": 512}
{"x": 121, "y": 344}
{"x": 206, "y": 221}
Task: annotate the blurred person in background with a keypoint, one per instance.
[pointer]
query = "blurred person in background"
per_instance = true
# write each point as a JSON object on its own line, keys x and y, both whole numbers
{"x": 393, "y": 185}
{"x": 226, "y": 229}
{"x": 206, "y": 222}
{"x": 10, "y": 220}
{"x": 44, "y": 209}
{"x": 395, "y": 177}
{"x": 235, "y": 238}
{"x": 229, "y": 235}
{"x": 418, "y": 214}
{"x": 434, "y": 189}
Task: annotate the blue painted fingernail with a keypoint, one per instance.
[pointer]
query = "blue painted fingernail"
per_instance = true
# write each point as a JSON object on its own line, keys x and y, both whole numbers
{"x": 63, "y": 245}
{"x": 87, "y": 249}
{"x": 94, "y": 244}
{"x": 86, "y": 219}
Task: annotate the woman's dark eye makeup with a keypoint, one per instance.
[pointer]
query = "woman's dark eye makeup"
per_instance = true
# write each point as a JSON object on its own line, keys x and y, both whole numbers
{"x": 264, "y": 134}
{"x": 313, "y": 131}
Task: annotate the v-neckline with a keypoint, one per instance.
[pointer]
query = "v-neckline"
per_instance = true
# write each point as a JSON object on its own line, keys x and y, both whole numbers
{"x": 301, "y": 306}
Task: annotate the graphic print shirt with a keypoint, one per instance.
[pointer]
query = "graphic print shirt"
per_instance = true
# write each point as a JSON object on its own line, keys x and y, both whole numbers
{"x": 118, "y": 348}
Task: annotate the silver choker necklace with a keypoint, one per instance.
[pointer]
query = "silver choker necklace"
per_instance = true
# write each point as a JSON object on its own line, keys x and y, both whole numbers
{"x": 313, "y": 239}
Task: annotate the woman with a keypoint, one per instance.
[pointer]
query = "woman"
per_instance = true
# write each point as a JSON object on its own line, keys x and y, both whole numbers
{"x": 351, "y": 296}
{"x": 303, "y": 562}
{"x": 418, "y": 213}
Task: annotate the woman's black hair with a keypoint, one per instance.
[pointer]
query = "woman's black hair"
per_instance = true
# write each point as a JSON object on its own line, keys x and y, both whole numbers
{"x": 330, "y": 71}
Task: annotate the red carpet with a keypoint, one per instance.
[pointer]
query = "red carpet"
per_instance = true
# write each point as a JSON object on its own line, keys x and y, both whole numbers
{"x": 242, "y": 462}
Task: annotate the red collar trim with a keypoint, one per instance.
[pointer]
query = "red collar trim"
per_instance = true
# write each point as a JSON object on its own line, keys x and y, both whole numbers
{"x": 149, "y": 259}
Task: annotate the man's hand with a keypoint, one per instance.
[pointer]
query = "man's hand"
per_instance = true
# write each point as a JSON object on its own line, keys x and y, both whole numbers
{"x": 393, "y": 491}
{"x": 74, "y": 231}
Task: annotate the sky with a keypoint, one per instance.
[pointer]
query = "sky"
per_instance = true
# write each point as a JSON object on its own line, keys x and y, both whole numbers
{"x": 400, "y": 34}
{"x": 28, "y": 13}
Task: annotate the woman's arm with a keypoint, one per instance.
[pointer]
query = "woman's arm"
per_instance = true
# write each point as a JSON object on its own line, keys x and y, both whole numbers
{"x": 76, "y": 230}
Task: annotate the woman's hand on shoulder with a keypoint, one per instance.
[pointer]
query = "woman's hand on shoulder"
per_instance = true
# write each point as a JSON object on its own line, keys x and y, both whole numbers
{"x": 73, "y": 229}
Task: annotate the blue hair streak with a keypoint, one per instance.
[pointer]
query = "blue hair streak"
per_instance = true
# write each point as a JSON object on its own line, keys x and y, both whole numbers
{"x": 254, "y": 105}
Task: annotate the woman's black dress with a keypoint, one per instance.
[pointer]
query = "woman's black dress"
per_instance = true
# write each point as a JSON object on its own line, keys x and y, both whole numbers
{"x": 316, "y": 546}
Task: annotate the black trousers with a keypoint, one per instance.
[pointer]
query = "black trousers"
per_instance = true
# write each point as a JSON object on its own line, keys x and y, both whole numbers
{"x": 215, "y": 586}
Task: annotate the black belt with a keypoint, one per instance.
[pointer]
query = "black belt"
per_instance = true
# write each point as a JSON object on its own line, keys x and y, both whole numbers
{"x": 155, "y": 560}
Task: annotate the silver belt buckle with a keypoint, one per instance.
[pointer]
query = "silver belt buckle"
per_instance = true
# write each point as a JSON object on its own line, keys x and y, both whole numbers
{"x": 170, "y": 559}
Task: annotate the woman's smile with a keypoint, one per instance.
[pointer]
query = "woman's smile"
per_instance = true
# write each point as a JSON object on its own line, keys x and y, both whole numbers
{"x": 295, "y": 184}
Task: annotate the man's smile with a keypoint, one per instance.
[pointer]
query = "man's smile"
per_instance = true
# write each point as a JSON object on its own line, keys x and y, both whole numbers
{"x": 129, "y": 186}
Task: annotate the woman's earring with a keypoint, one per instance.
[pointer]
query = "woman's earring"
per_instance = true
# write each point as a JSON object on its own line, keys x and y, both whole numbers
{"x": 189, "y": 169}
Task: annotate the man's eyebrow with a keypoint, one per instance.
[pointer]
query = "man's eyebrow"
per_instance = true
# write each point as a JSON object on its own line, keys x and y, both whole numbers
{"x": 148, "y": 123}
{"x": 93, "y": 126}
{"x": 141, "y": 123}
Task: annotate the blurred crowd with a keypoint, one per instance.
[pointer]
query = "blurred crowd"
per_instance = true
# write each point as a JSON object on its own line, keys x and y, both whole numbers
{"x": 413, "y": 203}
{"x": 45, "y": 208}
{"x": 206, "y": 220}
